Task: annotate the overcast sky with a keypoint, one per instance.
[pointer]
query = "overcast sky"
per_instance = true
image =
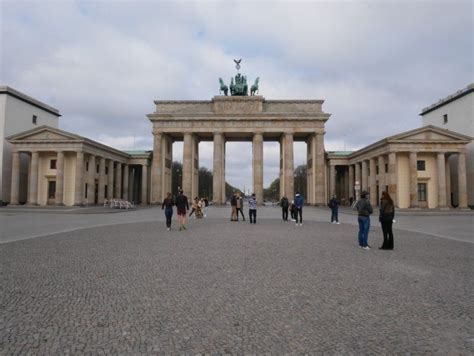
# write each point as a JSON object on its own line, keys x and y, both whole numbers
{"x": 102, "y": 63}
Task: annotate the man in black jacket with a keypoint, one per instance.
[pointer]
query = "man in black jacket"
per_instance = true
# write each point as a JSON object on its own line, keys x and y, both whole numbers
{"x": 284, "y": 208}
{"x": 364, "y": 210}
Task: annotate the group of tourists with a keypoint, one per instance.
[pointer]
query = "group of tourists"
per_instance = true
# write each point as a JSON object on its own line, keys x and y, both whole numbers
{"x": 295, "y": 208}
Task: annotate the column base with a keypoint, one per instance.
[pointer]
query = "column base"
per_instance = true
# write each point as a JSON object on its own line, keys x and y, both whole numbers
{"x": 60, "y": 204}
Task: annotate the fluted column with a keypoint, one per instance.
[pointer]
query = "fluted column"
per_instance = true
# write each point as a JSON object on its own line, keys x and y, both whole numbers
{"x": 392, "y": 177}
{"x": 91, "y": 180}
{"x": 462, "y": 180}
{"x": 101, "y": 192}
{"x": 15, "y": 187}
{"x": 350, "y": 187}
{"x": 156, "y": 168}
{"x": 413, "y": 180}
{"x": 79, "y": 179}
{"x": 448, "y": 181}
{"x": 110, "y": 180}
{"x": 382, "y": 183}
{"x": 144, "y": 192}
{"x": 118, "y": 181}
{"x": 372, "y": 182}
{"x": 217, "y": 169}
{"x": 357, "y": 168}
{"x": 289, "y": 165}
{"x": 187, "y": 164}
{"x": 441, "y": 180}
{"x": 60, "y": 178}
{"x": 332, "y": 180}
{"x": 364, "y": 176}
{"x": 320, "y": 167}
{"x": 126, "y": 176}
{"x": 33, "y": 189}
{"x": 257, "y": 147}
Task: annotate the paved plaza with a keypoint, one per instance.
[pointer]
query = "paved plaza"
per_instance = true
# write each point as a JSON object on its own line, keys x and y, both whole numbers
{"x": 77, "y": 281}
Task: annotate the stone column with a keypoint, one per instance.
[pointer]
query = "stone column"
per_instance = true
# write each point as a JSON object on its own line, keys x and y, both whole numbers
{"x": 101, "y": 192}
{"x": 364, "y": 176}
{"x": 15, "y": 187}
{"x": 144, "y": 192}
{"x": 462, "y": 180}
{"x": 382, "y": 183}
{"x": 110, "y": 180}
{"x": 156, "y": 168}
{"x": 372, "y": 183}
{"x": 224, "y": 197}
{"x": 125, "y": 181}
{"x": 217, "y": 169}
{"x": 392, "y": 177}
{"x": 60, "y": 178}
{"x": 448, "y": 181}
{"x": 357, "y": 168}
{"x": 320, "y": 166}
{"x": 79, "y": 179}
{"x": 289, "y": 166}
{"x": 441, "y": 180}
{"x": 131, "y": 184}
{"x": 332, "y": 180}
{"x": 118, "y": 181}
{"x": 413, "y": 180}
{"x": 350, "y": 187}
{"x": 33, "y": 189}
{"x": 91, "y": 181}
{"x": 188, "y": 165}
{"x": 257, "y": 148}
{"x": 195, "y": 166}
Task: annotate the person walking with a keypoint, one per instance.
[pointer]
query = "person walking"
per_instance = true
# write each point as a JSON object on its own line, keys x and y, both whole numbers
{"x": 233, "y": 204}
{"x": 167, "y": 206}
{"x": 284, "y": 208}
{"x": 334, "y": 205}
{"x": 240, "y": 207}
{"x": 292, "y": 211}
{"x": 194, "y": 206}
{"x": 299, "y": 201}
{"x": 253, "y": 209}
{"x": 364, "y": 210}
{"x": 387, "y": 214}
{"x": 206, "y": 206}
{"x": 182, "y": 207}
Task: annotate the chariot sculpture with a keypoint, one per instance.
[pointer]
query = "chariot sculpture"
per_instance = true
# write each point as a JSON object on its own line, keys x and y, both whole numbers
{"x": 238, "y": 84}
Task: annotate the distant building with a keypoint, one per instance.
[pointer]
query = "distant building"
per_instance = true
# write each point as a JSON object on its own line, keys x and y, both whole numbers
{"x": 19, "y": 112}
{"x": 456, "y": 113}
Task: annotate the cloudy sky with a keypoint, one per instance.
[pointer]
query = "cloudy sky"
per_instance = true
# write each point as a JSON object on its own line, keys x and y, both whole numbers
{"x": 102, "y": 63}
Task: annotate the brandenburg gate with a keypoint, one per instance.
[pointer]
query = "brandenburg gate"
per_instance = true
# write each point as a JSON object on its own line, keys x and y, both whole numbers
{"x": 238, "y": 118}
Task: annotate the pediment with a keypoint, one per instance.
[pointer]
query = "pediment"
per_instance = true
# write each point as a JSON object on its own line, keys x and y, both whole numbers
{"x": 429, "y": 133}
{"x": 44, "y": 134}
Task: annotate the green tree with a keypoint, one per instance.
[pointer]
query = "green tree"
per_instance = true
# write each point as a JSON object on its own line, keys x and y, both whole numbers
{"x": 205, "y": 183}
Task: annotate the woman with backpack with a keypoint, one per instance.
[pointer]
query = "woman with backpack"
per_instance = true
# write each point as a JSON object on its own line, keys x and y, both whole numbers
{"x": 387, "y": 214}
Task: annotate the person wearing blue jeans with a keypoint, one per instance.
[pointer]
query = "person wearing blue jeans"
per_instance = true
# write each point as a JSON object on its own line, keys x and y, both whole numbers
{"x": 364, "y": 209}
{"x": 167, "y": 205}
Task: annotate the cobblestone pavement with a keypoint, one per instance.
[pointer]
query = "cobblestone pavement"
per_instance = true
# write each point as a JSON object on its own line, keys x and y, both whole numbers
{"x": 226, "y": 287}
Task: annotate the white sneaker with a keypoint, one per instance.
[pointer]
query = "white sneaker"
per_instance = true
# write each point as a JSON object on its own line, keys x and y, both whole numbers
{"x": 338, "y": 223}
{"x": 366, "y": 248}
{"x": 168, "y": 229}
{"x": 301, "y": 224}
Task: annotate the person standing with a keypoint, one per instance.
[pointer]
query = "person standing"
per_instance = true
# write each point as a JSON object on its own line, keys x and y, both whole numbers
{"x": 233, "y": 204}
{"x": 240, "y": 207}
{"x": 167, "y": 205}
{"x": 253, "y": 209}
{"x": 284, "y": 208}
{"x": 364, "y": 209}
{"x": 194, "y": 206}
{"x": 292, "y": 211}
{"x": 387, "y": 214}
{"x": 334, "y": 205}
{"x": 206, "y": 206}
{"x": 299, "y": 201}
{"x": 182, "y": 207}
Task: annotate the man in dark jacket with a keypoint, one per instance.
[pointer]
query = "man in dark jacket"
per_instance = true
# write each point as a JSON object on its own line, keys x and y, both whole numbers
{"x": 334, "y": 205}
{"x": 364, "y": 209}
{"x": 284, "y": 208}
{"x": 299, "y": 201}
{"x": 182, "y": 207}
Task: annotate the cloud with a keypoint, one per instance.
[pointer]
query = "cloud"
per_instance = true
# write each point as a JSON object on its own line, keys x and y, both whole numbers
{"x": 102, "y": 63}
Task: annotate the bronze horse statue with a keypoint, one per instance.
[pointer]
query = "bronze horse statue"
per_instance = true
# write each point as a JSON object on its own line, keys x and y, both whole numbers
{"x": 223, "y": 87}
{"x": 254, "y": 87}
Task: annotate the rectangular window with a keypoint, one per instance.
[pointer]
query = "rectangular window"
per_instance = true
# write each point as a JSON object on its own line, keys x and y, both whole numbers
{"x": 86, "y": 190}
{"x": 52, "y": 164}
{"x": 421, "y": 165}
{"x": 421, "y": 191}
{"x": 87, "y": 166}
{"x": 97, "y": 169}
{"x": 34, "y": 120}
{"x": 51, "y": 189}
{"x": 386, "y": 167}
{"x": 106, "y": 170}
{"x": 376, "y": 169}
{"x": 445, "y": 119}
